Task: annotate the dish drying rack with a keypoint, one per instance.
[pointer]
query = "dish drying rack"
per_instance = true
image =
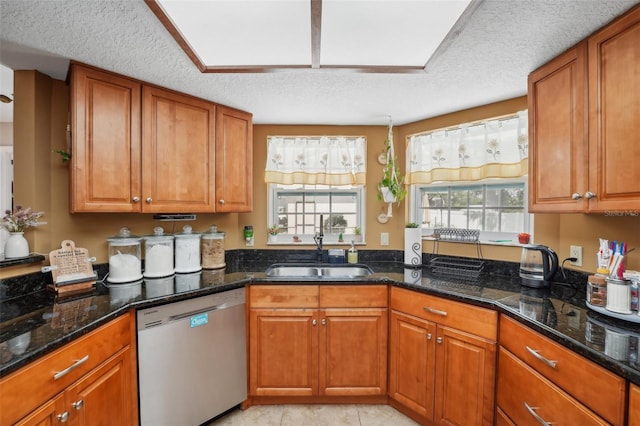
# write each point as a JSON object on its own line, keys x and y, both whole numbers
{"x": 456, "y": 267}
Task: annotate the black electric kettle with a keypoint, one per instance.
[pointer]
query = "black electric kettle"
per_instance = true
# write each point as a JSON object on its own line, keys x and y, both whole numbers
{"x": 538, "y": 265}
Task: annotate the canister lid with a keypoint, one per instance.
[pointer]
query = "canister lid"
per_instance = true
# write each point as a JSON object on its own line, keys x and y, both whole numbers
{"x": 124, "y": 238}
{"x": 596, "y": 279}
{"x": 187, "y": 232}
{"x": 158, "y": 235}
{"x": 212, "y": 233}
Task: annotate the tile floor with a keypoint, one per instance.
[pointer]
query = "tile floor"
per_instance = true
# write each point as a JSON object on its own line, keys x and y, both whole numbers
{"x": 315, "y": 415}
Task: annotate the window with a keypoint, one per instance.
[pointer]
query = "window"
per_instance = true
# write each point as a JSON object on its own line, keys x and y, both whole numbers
{"x": 297, "y": 209}
{"x": 312, "y": 178}
{"x": 498, "y": 209}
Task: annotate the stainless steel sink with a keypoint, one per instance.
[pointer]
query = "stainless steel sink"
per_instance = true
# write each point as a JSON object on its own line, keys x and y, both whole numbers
{"x": 317, "y": 270}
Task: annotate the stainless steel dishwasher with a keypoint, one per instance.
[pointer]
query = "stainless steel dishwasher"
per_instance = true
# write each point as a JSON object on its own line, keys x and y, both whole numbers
{"x": 192, "y": 359}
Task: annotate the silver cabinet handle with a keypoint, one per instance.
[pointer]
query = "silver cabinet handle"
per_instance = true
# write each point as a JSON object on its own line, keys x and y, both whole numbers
{"x": 75, "y": 365}
{"x": 149, "y": 200}
{"x": 314, "y": 322}
{"x": 435, "y": 311}
{"x": 576, "y": 196}
{"x": 136, "y": 199}
{"x": 589, "y": 195}
{"x": 78, "y": 404}
{"x": 221, "y": 201}
{"x": 532, "y": 411}
{"x": 429, "y": 336}
{"x": 63, "y": 417}
{"x": 324, "y": 321}
{"x": 439, "y": 339}
{"x": 536, "y": 354}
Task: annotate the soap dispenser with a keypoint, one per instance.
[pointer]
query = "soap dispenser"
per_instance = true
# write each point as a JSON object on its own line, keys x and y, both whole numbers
{"x": 352, "y": 254}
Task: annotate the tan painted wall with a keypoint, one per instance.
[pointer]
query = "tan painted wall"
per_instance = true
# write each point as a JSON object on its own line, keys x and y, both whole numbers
{"x": 42, "y": 183}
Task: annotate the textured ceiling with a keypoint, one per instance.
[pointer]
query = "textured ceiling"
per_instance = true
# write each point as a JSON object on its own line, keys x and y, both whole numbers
{"x": 487, "y": 60}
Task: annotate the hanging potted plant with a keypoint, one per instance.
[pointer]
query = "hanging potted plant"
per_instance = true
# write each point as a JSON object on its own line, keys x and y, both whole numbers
{"x": 391, "y": 188}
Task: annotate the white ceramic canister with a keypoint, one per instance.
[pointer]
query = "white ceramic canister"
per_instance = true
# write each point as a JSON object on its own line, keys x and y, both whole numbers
{"x": 124, "y": 257}
{"x": 213, "y": 249}
{"x": 187, "y": 251}
{"x": 158, "y": 254}
{"x": 618, "y": 296}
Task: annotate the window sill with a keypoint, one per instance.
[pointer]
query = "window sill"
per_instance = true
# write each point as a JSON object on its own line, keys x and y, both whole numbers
{"x": 506, "y": 243}
{"x": 312, "y": 244}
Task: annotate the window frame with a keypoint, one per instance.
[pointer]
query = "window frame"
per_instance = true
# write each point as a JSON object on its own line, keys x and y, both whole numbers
{"x": 486, "y": 237}
{"x": 307, "y": 239}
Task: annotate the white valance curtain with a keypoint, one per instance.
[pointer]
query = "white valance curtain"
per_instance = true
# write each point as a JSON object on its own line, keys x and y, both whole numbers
{"x": 316, "y": 160}
{"x": 491, "y": 149}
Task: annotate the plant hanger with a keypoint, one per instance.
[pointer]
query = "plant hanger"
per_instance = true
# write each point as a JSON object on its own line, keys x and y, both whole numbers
{"x": 391, "y": 188}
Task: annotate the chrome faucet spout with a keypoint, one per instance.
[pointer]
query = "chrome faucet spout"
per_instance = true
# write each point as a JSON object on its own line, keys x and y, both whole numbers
{"x": 318, "y": 240}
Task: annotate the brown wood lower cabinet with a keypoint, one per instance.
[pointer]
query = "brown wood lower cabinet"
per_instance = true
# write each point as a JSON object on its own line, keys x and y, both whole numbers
{"x": 568, "y": 377}
{"x": 95, "y": 384}
{"x": 440, "y": 374}
{"x": 317, "y": 341}
{"x": 634, "y": 405}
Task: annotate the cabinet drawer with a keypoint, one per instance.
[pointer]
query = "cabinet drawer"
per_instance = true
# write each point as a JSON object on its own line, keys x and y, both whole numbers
{"x": 527, "y": 398}
{"x": 283, "y": 296}
{"x": 353, "y": 296}
{"x": 594, "y": 386}
{"x": 34, "y": 384}
{"x": 472, "y": 319}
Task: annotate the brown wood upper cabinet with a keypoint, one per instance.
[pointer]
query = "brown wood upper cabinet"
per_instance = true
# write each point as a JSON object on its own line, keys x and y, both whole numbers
{"x": 583, "y": 124}
{"x": 142, "y": 148}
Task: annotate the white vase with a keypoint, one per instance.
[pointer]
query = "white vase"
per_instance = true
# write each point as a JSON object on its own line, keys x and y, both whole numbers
{"x": 413, "y": 247}
{"x": 272, "y": 238}
{"x": 16, "y": 246}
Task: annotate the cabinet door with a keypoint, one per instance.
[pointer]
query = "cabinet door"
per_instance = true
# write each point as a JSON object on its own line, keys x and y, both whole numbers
{"x": 178, "y": 155}
{"x": 283, "y": 352}
{"x": 353, "y": 352}
{"x": 104, "y": 396}
{"x": 558, "y": 134}
{"x": 105, "y": 160}
{"x": 234, "y": 160}
{"x": 465, "y": 375}
{"x": 53, "y": 412}
{"x": 614, "y": 108}
{"x": 634, "y": 405}
{"x": 412, "y": 363}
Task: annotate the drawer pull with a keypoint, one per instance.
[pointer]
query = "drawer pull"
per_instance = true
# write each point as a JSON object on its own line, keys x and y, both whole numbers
{"x": 435, "y": 311}
{"x": 75, "y": 365}
{"x": 429, "y": 336}
{"x": 63, "y": 417}
{"x": 535, "y": 353}
{"x": 532, "y": 411}
{"x": 78, "y": 404}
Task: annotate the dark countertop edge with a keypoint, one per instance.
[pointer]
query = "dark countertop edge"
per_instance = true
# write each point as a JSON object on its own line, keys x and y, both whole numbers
{"x": 380, "y": 278}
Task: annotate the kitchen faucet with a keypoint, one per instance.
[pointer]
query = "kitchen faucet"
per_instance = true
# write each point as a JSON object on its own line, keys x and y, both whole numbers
{"x": 318, "y": 239}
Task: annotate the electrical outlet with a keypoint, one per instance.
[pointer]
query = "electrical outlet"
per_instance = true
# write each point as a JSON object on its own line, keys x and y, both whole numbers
{"x": 576, "y": 251}
{"x": 384, "y": 238}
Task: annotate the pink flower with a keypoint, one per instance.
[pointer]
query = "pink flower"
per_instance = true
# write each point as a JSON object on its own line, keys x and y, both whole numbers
{"x": 21, "y": 219}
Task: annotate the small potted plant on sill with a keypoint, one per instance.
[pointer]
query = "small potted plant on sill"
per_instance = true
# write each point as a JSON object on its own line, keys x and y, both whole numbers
{"x": 357, "y": 232}
{"x": 391, "y": 188}
{"x": 272, "y": 233}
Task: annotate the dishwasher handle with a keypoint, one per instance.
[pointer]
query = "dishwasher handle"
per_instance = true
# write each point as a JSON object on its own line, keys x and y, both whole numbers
{"x": 198, "y": 311}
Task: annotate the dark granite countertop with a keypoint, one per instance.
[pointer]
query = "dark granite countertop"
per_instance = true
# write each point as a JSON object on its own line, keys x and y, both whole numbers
{"x": 38, "y": 323}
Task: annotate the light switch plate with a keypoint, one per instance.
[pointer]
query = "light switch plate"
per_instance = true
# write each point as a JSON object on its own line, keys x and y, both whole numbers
{"x": 384, "y": 238}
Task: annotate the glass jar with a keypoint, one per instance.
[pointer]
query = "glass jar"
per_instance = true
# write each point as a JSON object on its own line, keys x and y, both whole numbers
{"x": 213, "y": 249}
{"x": 124, "y": 257}
{"x": 158, "y": 254}
{"x": 597, "y": 290}
{"x": 187, "y": 251}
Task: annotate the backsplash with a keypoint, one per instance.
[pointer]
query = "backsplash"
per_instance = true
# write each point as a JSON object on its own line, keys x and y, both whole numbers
{"x": 244, "y": 260}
